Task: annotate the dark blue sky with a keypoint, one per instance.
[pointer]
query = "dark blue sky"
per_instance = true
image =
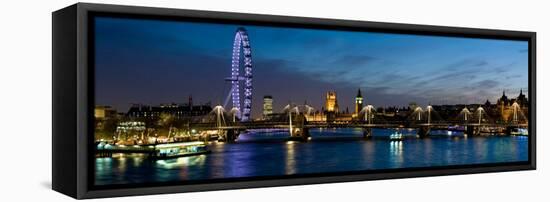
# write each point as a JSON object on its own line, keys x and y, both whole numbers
{"x": 153, "y": 61}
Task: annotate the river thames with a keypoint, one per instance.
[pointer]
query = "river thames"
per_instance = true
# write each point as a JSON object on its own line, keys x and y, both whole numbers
{"x": 264, "y": 153}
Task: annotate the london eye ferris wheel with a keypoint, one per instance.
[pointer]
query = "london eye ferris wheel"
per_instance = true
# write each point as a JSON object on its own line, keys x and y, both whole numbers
{"x": 241, "y": 42}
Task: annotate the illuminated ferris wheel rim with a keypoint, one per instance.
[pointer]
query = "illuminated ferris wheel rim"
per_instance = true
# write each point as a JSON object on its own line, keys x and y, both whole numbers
{"x": 241, "y": 42}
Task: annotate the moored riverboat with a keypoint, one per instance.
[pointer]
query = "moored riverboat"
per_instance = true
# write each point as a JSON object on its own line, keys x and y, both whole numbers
{"x": 174, "y": 150}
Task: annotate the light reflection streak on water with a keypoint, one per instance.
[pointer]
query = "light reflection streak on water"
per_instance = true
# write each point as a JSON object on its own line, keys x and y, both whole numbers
{"x": 290, "y": 163}
{"x": 427, "y": 148}
{"x": 396, "y": 152}
{"x": 104, "y": 164}
{"x": 181, "y": 162}
{"x": 121, "y": 162}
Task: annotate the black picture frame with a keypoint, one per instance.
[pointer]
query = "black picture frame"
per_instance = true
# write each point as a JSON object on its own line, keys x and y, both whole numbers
{"x": 73, "y": 99}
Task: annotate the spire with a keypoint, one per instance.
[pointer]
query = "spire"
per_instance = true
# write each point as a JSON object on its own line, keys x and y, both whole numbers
{"x": 520, "y": 91}
{"x": 503, "y": 94}
{"x": 359, "y": 92}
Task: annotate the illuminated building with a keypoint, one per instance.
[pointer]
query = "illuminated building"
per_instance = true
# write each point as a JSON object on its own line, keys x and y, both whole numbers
{"x": 130, "y": 129}
{"x": 505, "y": 105}
{"x": 358, "y": 102}
{"x": 104, "y": 112}
{"x": 522, "y": 99}
{"x": 502, "y": 104}
{"x": 268, "y": 106}
{"x": 103, "y": 115}
{"x": 503, "y": 100}
{"x": 178, "y": 111}
{"x": 331, "y": 104}
{"x": 128, "y": 126}
{"x": 316, "y": 116}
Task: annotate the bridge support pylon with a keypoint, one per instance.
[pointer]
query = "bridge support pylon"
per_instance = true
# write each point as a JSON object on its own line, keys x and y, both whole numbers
{"x": 104, "y": 154}
{"x": 229, "y": 136}
{"x": 509, "y": 129}
{"x": 423, "y": 131}
{"x": 367, "y": 133}
{"x": 471, "y": 131}
{"x": 204, "y": 138}
{"x": 299, "y": 132}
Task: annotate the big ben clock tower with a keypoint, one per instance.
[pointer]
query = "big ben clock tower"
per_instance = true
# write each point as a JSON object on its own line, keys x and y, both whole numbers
{"x": 358, "y": 102}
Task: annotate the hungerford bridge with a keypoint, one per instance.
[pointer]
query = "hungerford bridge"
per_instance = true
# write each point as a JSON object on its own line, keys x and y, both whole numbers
{"x": 423, "y": 120}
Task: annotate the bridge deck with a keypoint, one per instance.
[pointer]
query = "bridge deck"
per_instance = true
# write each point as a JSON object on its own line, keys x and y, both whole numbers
{"x": 283, "y": 125}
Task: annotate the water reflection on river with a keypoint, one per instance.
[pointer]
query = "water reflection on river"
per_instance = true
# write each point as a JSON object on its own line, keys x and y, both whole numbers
{"x": 329, "y": 150}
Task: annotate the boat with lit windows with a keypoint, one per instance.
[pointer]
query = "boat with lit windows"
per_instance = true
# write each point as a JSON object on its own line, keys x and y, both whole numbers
{"x": 396, "y": 136}
{"x": 174, "y": 150}
{"x": 519, "y": 132}
{"x": 155, "y": 151}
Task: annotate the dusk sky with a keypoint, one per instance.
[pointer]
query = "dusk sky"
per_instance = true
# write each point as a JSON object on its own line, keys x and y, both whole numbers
{"x": 153, "y": 62}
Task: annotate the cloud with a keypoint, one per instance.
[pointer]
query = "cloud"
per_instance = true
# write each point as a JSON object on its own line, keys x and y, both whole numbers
{"x": 467, "y": 63}
{"x": 515, "y": 76}
{"x": 486, "y": 84}
{"x": 353, "y": 60}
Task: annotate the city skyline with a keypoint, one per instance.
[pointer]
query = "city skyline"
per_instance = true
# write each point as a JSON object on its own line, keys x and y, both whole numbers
{"x": 316, "y": 108}
{"x": 149, "y": 62}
